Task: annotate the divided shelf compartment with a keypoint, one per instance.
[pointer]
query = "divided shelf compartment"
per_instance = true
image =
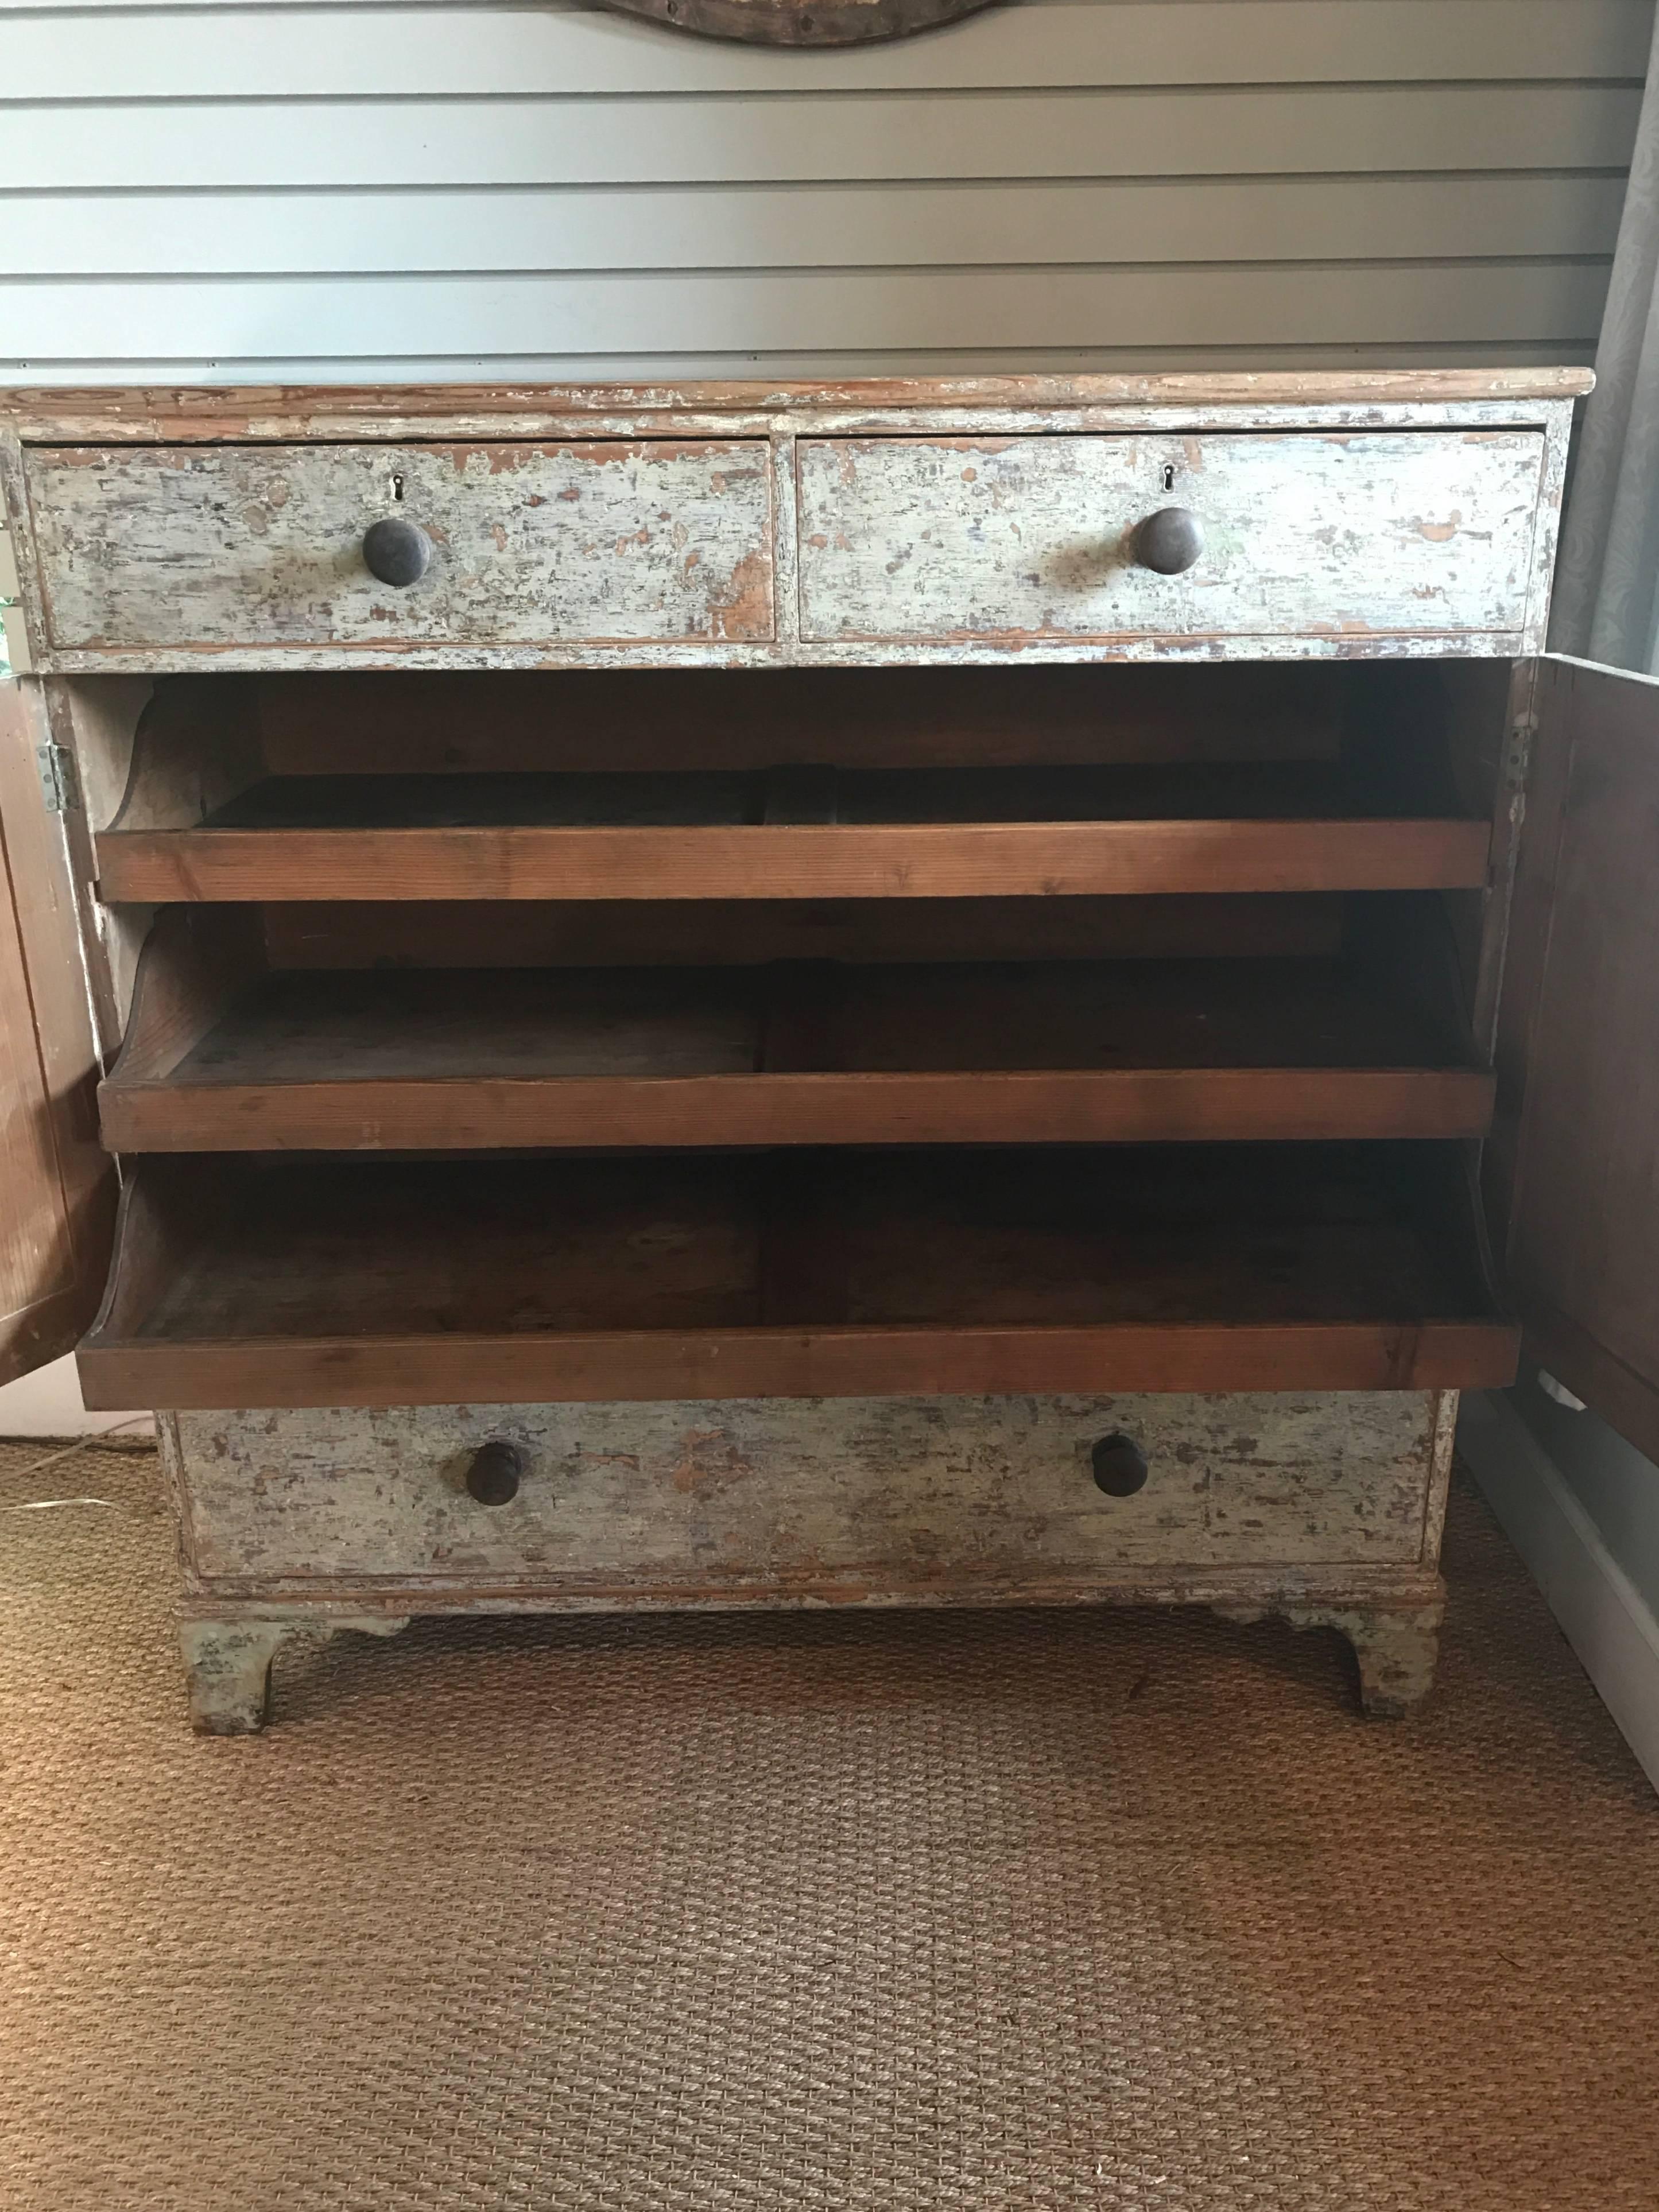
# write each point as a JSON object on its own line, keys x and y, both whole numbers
{"x": 1044, "y": 1269}
{"x": 906, "y": 784}
{"x": 1206, "y": 941}
{"x": 230, "y": 1047}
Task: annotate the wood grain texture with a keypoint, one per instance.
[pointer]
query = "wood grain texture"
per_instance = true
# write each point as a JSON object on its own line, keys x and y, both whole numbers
{"x": 195, "y": 967}
{"x": 172, "y": 413}
{"x": 941, "y": 539}
{"x": 813, "y": 1364}
{"x": 57, "y": 1187}
{"x": 1068, "y": 1107}
{"x": 581, "y": 720}
{"x": 229, "y": 547}
{"x": 852, "y": 1500}
{"x": 96, "y": 725}
{"x": 1164, "y": 1268}
{"x": 738, "y": 933}
{"x": 1579, "y": 1046}
{"x": 799, "y": 23}
{"x": 927, "y": 861}
{"x": 970, "y": 1054}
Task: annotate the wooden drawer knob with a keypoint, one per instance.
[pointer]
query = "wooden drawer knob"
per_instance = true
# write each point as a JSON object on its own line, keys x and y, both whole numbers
{"x": 495, "y": 1472}
{"x": 1169, "y": 541}
{"x": 397, "y": 552}
{"x": 1120, "y": 1465}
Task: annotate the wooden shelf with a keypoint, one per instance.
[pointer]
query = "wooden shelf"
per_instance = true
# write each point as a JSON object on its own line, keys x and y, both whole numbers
{"x": 799, "y": 832}
{"x": 1181, "y": 1267}
{"x": 220, "y": 1058}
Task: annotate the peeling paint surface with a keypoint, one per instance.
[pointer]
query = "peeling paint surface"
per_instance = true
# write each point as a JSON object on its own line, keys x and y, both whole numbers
{"x": 850, "y": 1499}
{"x": 531, "y": 544}
{"x": 1359, "y": 536}
{"x": 909, "y": 522}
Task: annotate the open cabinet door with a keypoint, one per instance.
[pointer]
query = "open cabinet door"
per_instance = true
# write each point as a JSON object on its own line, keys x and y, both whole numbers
{"x": 1573, "y": 1166}
{"x": 56, "y": 1185}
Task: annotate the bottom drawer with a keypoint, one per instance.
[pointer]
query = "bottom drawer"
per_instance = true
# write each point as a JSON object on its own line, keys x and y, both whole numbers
{"x": 832, "y": 1500}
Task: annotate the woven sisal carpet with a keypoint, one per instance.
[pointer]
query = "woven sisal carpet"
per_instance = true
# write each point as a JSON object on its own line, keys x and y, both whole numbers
{"x": 1028, "y": 1911}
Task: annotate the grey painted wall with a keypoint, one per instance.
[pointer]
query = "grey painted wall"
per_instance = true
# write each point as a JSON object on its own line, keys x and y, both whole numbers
{"x": 368, "y": 191}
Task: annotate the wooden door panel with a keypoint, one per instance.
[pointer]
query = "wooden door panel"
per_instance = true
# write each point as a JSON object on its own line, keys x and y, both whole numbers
{"x": 56, "y": 1184}
{"x": 1575, "y": 1160}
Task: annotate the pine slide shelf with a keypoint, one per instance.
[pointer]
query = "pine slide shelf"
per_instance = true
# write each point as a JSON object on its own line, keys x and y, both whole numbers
{"x": 891, "y": 994}
{"x": 797, "y": 832}
{"x": 224, "y": 1054}
{"x": 707, "y": 1276}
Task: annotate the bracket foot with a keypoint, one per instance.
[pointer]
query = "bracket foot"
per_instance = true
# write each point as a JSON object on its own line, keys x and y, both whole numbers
{"x": 228, "y": 1663}
{"x": 1397, "y": 1646}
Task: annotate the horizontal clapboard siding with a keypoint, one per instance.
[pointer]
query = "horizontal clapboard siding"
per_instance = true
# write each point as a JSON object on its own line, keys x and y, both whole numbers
{"x": 370, "y": 52}
{"x": 801, "y": 137}
{"x": 210, "y": 191}
{"x": 818, "y": 312}
{"x": 811, "y": 227}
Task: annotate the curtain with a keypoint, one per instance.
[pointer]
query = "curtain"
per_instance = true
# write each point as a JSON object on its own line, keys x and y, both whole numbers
{"x": 1607, "y": 590}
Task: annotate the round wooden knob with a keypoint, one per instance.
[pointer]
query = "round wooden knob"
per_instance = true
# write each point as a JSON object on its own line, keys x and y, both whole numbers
{"x": 495, "y": 1475}
{"x": 1169, "y": 541}
{"x": 1120, "y": 1465}
{"x": 397, "y": 552}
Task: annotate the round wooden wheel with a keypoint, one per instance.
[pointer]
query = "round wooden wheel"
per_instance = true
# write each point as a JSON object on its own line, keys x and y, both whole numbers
{"x": 801, "y": 22}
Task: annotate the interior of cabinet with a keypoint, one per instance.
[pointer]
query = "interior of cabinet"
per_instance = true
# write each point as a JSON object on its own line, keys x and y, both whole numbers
{"x": 1215, "y": 946}
{"x": 1038, "y": 1268}
{"x": 1310, "y": 1003}
{"x": 850, "y": 783}
{"x": 278, "y": 1028}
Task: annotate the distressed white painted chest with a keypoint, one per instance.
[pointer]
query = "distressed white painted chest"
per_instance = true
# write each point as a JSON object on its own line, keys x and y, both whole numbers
{"x": 878, "y": 994}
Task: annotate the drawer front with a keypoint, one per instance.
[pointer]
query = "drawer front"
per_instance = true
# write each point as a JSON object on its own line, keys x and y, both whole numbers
{"x": 1408, "y": 535}
{"x": 842, "y": 1499}
{"x": 257, "y": 546}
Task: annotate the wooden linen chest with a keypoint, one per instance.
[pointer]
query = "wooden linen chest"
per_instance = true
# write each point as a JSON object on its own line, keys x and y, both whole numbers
{"x": 887, "y": 995}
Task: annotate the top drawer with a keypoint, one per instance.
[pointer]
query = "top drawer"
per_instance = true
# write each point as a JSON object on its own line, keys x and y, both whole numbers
{"x": 1410, "y": 535}
{"x": 223, "y": 546}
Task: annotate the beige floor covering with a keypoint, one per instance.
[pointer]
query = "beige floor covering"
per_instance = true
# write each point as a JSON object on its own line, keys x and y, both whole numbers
{"x": 1069, "y": 1909}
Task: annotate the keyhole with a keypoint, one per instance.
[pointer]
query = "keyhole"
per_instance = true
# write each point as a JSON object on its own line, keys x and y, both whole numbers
{"x": 397, "y": 487}
{"x": 1169, "y": 476}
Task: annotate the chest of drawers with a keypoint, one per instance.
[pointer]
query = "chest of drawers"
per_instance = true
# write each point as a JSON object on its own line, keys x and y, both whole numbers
{"x": 885, "y": 995}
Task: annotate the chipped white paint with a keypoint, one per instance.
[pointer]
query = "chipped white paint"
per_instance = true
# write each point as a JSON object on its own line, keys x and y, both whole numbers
{"x": 1298, "y": 437}
{"x": 1395, "y": 1645}
{"x": 242, "y": 545}
{"x": 1355, "y": 535}
{"x": 227, "y": 1663}
{"x": 840, "y": 1500}
{"x": 974, "y": 652}
{"x": 1361, "y": 515}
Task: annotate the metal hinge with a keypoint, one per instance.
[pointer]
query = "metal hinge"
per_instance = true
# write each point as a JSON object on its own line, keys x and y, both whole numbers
{"x": 60, "y": 784}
